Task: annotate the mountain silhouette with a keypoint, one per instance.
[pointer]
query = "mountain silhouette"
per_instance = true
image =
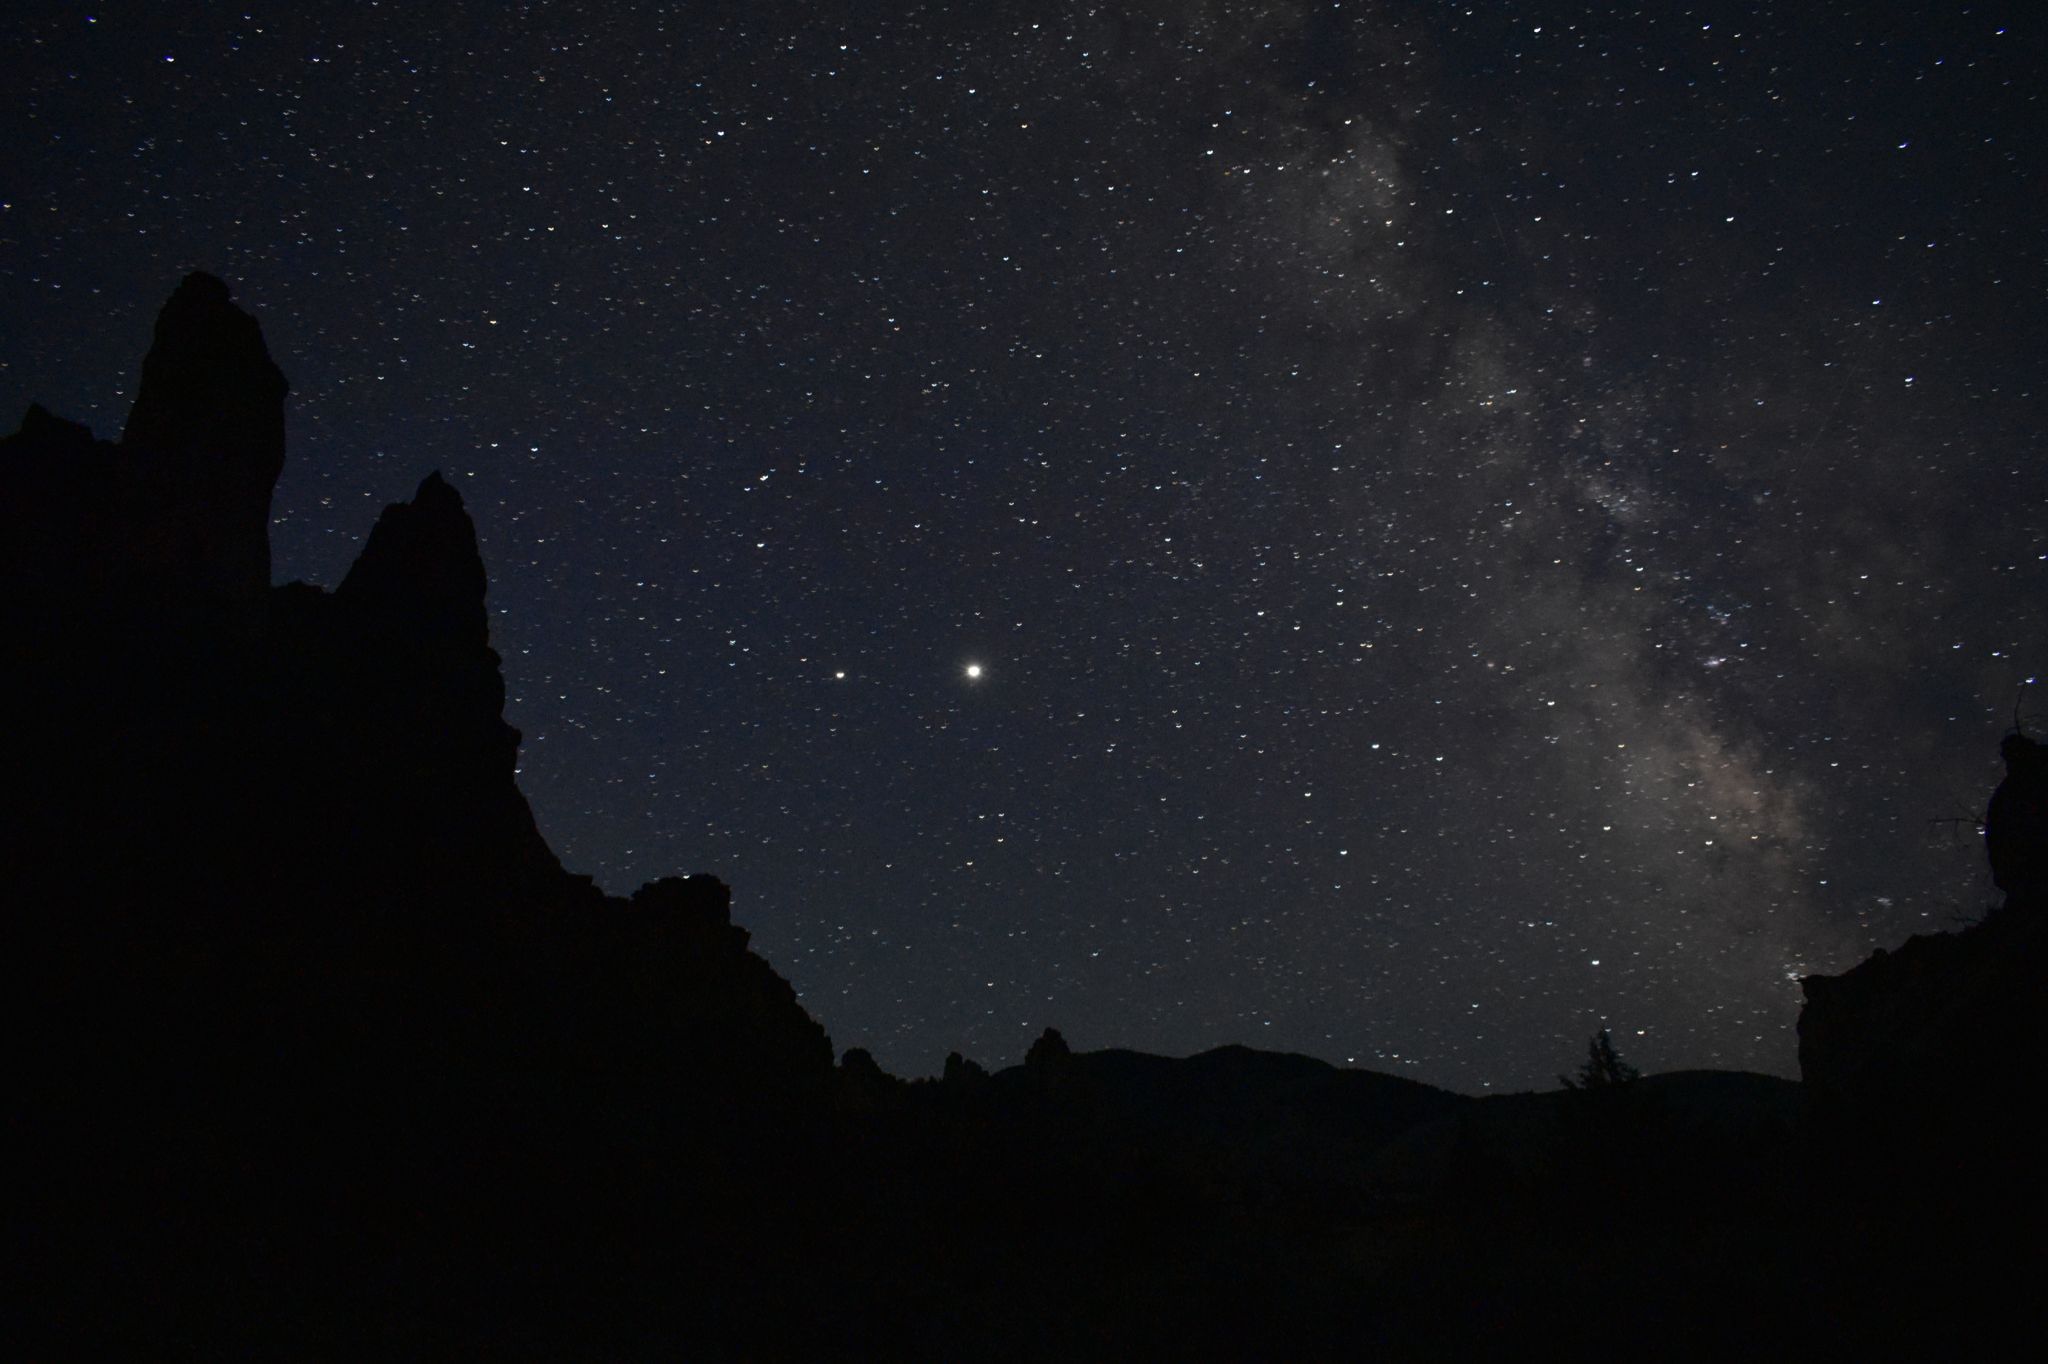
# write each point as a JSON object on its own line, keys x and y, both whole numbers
{"x": 322, "y": 1052}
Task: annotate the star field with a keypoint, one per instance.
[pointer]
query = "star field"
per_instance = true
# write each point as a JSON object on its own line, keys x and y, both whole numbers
{"x": 1402, "y": 532}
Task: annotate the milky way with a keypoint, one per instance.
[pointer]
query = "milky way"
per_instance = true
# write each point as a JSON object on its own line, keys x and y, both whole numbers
{"x": 1473, "y": 523}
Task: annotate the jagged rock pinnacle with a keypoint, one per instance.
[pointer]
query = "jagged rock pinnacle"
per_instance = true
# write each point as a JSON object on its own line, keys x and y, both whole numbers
{"x": 211, "y": 402}
{"x": 177, "y": 513}
{"x": 208, "y": 383}
{"x": 421, "y": 566}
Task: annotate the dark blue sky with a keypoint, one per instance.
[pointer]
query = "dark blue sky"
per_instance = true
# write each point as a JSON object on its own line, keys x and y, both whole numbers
{"x": 1478, "y": 522}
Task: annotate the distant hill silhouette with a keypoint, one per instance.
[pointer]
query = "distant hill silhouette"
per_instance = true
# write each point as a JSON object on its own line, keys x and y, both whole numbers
{"x": 323, "y": 1054}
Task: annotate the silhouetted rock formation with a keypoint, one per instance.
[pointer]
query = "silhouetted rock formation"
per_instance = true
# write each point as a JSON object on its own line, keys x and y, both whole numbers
{"x": 209, "y": 414}
{"x": 960, "y": 1070}
{"x": 393, "y": 697}
{"x": 1921, "y": 1067}
{"x": 2016, "y": 825}
{"x": 178, "y": 512}
{"x": 280, "y": 926}
{"x": 1049, "y": 1052}
{"x": 1924, "y": 1046}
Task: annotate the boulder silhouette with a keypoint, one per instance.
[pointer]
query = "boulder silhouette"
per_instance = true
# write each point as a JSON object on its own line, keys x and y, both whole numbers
{"x": 2016, "y": 824}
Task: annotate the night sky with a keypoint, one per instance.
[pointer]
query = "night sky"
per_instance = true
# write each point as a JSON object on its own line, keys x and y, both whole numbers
{"x": 1402, "y": 532}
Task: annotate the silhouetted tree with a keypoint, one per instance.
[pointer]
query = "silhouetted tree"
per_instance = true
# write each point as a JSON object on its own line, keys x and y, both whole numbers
{"x": 1604, "y": 1067}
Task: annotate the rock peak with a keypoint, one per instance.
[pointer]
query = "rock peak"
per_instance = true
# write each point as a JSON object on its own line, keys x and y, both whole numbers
{"x": 210, "y": 403}
{"x": 421, "y": 566}
{"x": 2016, "y": 824}
{"x": 208, "y": 382}
{"x": 438, "y": 494}
{"x": 176, "y": 513}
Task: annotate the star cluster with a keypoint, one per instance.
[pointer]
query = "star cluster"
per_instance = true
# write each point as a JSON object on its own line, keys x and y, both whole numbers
{"x": 1403, "y": 532}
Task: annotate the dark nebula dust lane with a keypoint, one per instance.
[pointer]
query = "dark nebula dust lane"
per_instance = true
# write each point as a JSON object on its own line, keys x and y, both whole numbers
{"x": 1400, "y": 532}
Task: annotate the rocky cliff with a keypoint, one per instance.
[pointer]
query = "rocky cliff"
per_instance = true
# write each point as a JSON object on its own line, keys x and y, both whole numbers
{"x": 1923, "y": 1050}
{"x": 177, "y": 512}
{"x": 280, "y": 927}
{"x": 1919, "y": 1051}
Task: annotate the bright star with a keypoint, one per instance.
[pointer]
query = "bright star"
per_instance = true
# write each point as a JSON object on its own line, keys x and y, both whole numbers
{"x": 974, "y": 672}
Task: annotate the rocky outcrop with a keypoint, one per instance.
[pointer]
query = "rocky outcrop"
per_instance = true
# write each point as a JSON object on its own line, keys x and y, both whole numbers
{"x": 277, "y": 901}
{"x": 172, "y": 520}
{"x": 393, "y": 687}
{"x": 1916, "y": 1049}
{"x": 208, "y": 426}
{"x": 1923, "y": 1051}
{"x": 321, "y": 1052}
{"x": 1049, "y": 1052}
{"x": 420, "y": 574}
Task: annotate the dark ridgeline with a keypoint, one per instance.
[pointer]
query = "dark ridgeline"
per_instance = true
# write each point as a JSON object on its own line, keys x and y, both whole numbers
{"x": 320, "y": 1052}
